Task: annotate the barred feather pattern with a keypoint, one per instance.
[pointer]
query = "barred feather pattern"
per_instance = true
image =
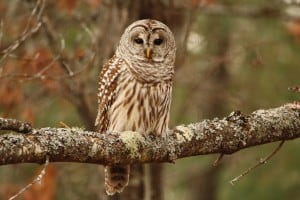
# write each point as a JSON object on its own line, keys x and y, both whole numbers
{"x": 135, "y": 91}
{"x": 126, "y": 104}
{"x": 107, "y": 90}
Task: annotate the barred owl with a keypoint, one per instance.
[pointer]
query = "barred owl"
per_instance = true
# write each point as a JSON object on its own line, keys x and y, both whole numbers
{"x": 135, "y": 88}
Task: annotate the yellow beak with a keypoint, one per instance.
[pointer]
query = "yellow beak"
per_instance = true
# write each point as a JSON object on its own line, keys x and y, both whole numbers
{"x": 148, "y": 52}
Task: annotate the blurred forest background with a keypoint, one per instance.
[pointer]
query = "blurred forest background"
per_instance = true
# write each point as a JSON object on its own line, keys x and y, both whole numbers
{"x": 232, "y": 55}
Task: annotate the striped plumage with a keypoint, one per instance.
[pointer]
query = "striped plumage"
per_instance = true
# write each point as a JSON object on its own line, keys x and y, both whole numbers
{"x": 135, "y": 89}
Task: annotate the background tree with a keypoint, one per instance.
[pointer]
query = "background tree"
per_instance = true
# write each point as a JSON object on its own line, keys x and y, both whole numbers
{"x": 231, "y": 56}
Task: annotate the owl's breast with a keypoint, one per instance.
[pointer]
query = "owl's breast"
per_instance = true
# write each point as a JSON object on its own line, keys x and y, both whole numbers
{"x": 140, "y": 107}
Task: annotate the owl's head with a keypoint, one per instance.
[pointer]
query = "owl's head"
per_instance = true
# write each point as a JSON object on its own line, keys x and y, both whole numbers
{"x": 148, "y": 41}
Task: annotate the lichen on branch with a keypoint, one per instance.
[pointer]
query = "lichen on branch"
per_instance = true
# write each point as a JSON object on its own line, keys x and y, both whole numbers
{"x": 225, "y": 136}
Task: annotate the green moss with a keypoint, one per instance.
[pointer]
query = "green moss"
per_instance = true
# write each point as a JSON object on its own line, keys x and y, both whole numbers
{"x": 132, "y": 140}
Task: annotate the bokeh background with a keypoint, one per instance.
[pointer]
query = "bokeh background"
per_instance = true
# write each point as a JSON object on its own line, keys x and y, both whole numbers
{"x": 231, "y": 55}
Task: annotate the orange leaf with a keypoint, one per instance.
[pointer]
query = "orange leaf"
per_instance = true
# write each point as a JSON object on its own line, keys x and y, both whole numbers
{"x": 28, "y": 115}
{"x": 93, "y": 3}
{"x": 68, "y": 5}
{"x": 293, "y": 28}
{"x": 79, "y": 53}
{"x": 8, "y": 190}
{"x": 10, "y": 95}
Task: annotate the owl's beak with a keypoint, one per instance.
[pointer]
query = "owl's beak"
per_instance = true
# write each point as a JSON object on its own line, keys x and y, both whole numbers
{"x": 148, "y": 52}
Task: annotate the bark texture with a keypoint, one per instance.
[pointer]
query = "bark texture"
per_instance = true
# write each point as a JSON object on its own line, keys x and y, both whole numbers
{"x": 226, "y": 136}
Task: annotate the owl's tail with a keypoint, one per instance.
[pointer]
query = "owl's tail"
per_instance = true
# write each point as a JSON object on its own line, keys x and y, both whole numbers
{"x": 116, "y": 178}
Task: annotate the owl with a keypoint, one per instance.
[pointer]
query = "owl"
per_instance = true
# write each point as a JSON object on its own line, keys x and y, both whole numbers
{"x": 135, "y": 88}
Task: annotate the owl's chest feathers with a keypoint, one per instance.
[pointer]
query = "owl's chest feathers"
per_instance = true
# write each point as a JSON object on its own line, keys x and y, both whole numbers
{"x": 141, "y": 107}
{"x": 150, "y": 72}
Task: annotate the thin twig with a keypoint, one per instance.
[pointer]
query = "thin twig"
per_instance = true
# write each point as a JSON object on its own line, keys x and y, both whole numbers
{"x": 1, "y": 32}
{"x": 30, "y": 77}
{"x": 36, "y": 180}
{"x": 28, "y": 31}
{"x": 89, "y": 32}
{"x": 41, "y": 72}
{"x": 217, "y": 161}
{"x": 41, "y": 76}
{"x": 261, "y": 162}
{"x": 64, "y": 125}
{"x": 15, "y": 125}
{"x": 53, "y": 38}
{"x": 295, "y": 89}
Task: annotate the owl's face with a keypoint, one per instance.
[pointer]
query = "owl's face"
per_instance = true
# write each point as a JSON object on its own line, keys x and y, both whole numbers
{"x": 149, "y": 41}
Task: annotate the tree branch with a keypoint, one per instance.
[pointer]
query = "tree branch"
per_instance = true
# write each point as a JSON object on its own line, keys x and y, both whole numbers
{"x": 14, "y": 125}
{"x": 225, "y": 136}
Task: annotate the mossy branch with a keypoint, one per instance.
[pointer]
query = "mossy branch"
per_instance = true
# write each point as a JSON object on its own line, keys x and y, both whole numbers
{"x": 225, "y": 136}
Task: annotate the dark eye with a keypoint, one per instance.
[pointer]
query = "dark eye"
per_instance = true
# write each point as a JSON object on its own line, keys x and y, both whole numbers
{"x": 158, "y": 41}
{"x": 138, "y": 40}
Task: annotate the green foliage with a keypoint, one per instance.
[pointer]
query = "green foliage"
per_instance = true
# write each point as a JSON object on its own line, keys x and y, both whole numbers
{"x": 243, "y": 63}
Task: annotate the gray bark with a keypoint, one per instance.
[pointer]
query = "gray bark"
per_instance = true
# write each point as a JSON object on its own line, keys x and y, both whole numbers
{"x": 226, "y": 136}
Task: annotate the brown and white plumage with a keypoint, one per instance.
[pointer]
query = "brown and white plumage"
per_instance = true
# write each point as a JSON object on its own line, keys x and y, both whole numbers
{"x": 135, "y": 88}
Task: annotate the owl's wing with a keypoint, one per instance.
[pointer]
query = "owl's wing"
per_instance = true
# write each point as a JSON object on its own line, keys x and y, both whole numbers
{"x": 107, "y": 89}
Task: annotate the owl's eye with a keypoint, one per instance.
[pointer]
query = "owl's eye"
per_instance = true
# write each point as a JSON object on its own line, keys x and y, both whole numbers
{"x": 138, "y": 40}
{"x": 158, "y": 41}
